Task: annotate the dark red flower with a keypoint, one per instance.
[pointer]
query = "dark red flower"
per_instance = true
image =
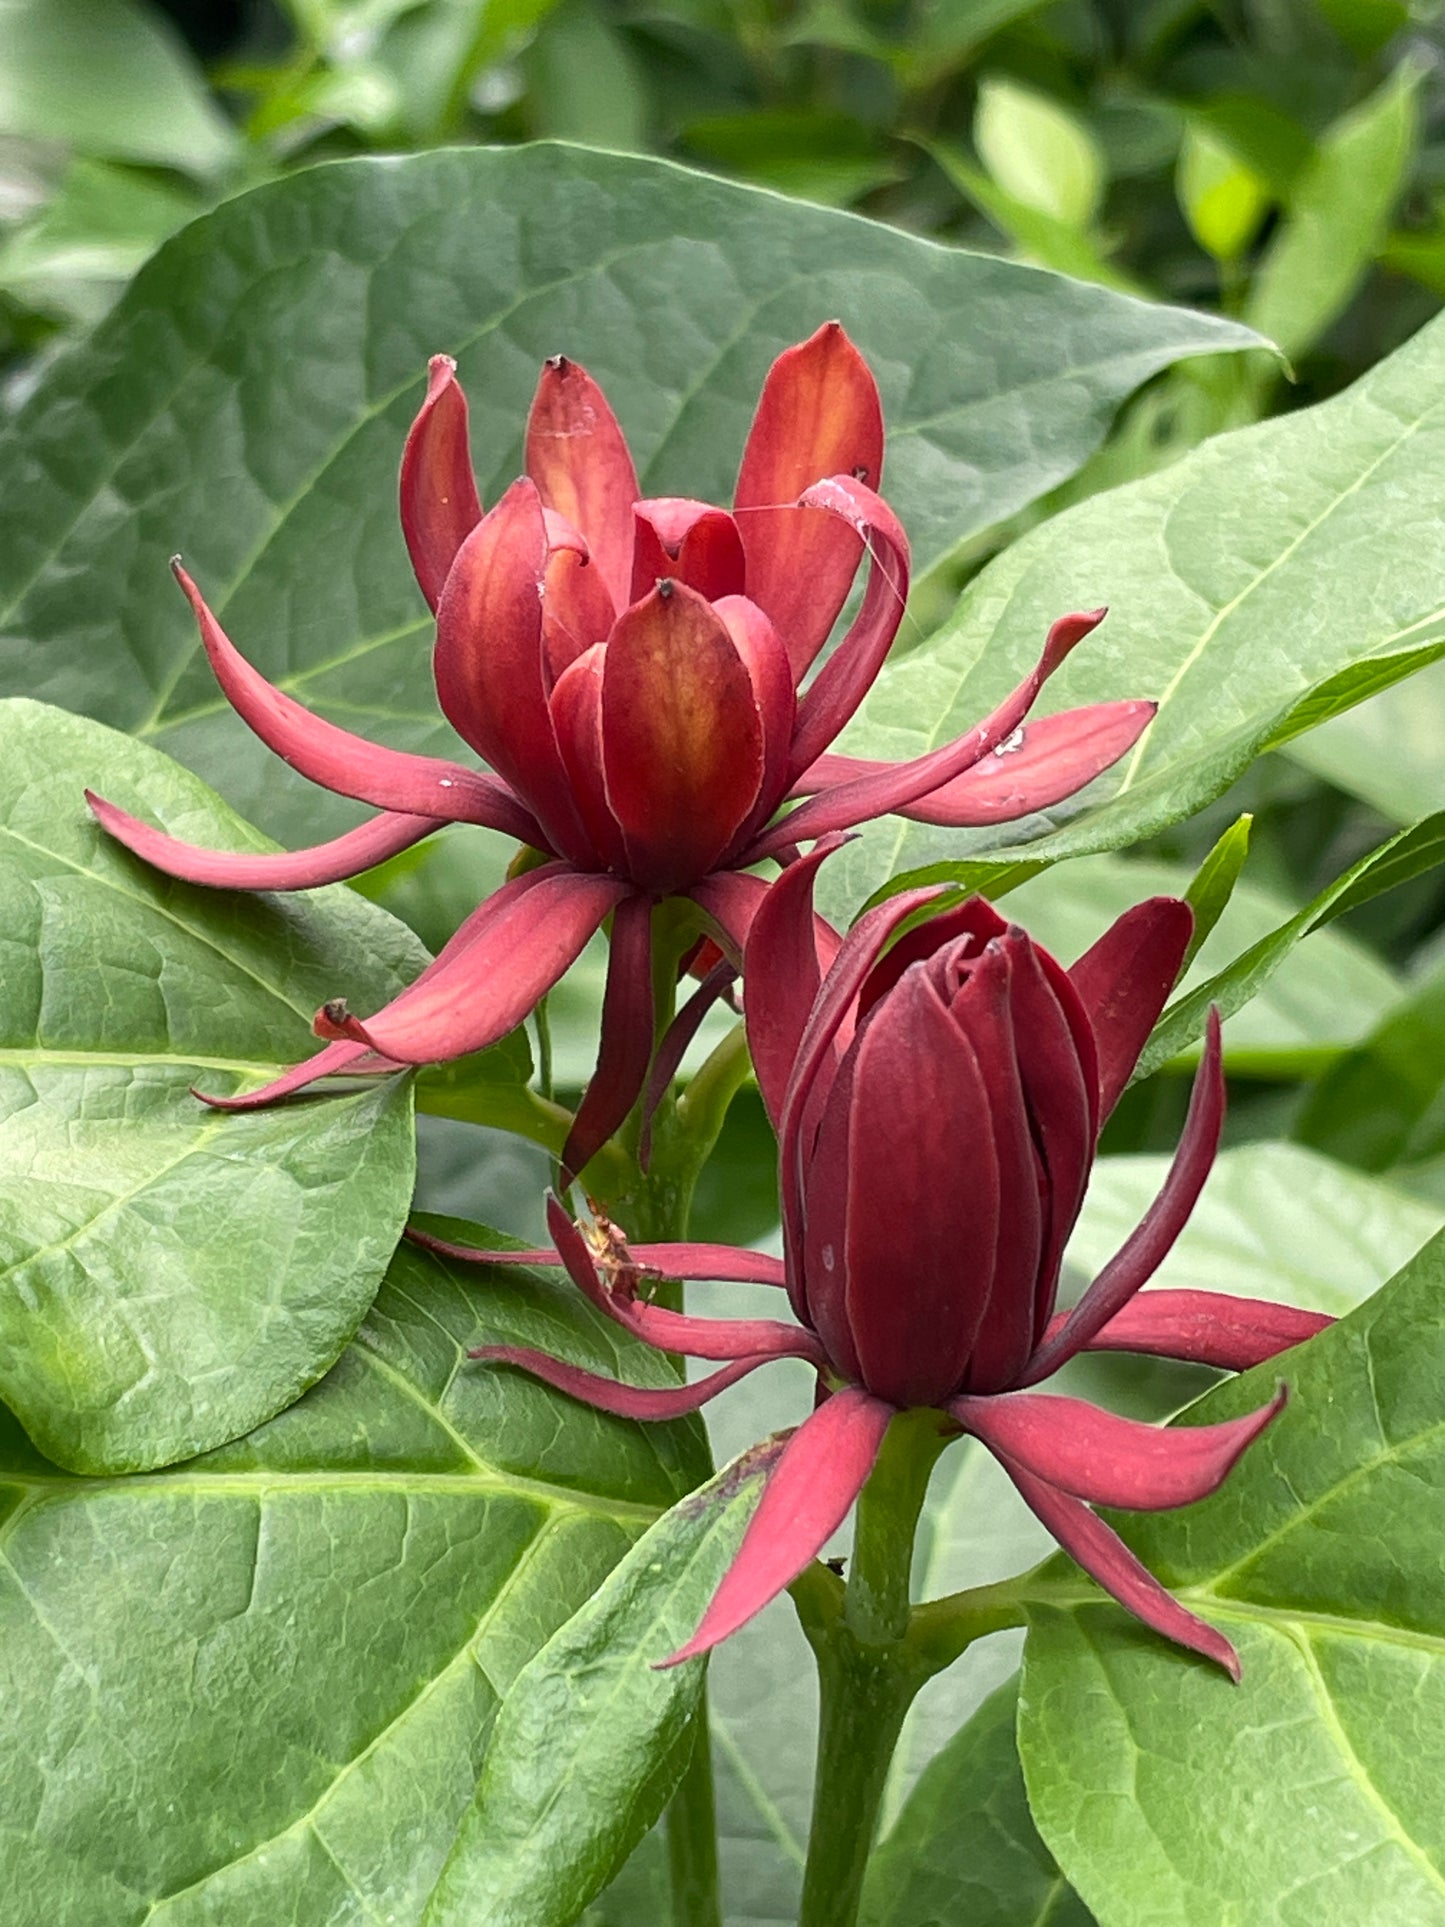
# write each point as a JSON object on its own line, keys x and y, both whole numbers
{"x": 632, "y": 670}
{"x": 938, "y": 1098}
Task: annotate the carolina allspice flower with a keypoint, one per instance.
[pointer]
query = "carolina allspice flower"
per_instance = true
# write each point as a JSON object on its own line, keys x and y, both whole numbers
{"x": 632, "y": 669}
{"x": 938, "y": 1104}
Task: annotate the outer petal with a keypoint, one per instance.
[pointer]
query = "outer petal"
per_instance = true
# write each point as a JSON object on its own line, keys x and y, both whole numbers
{"x": 345, "y": 856}
{"x": 578, "y": 457}
{"x": 1124, "y": 981}
{"x": 806, "y": 1499}
{"x": 724, "y": 1262}
{"x": 730, "y": 901}
{"x": 439, "y": 502}
{"x": 1108, "y": 1460}
{"x": 904, "y": 783}
{"x": 489, "y": 661}
{"x": 682, "y": 738}
{"x": 818, "y": 415}
{"x": 609, "y": 1394}
{"x": 337, "y": 1059}
{"x": 1105, "y": 1557}
{"x": 1044, "y": 762}
{"x": 784, "y": 973}
{"x": 1141, "y": 1255}
{"x": 1205, "y": 1328}
{"x": 690, "y": 542}
{"x": 392, "y": 779}
{"x": 505, "y": 956}
{"x": 626, "y": 1036}
{"x": 673, "y": 1048}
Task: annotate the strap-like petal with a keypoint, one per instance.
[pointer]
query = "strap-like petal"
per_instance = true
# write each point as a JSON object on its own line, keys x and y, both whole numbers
{"x": 784, "y": 973}
{"x": 609, "y": 1394}
{"x": 1044, "y": 762}
{"x": 818, "y": 415}
{"x": 626, "y": 1046}
{"x": 439, "y": 502}
{"x": 673, "y": 1048}
{"x": 345, "y": 856}
{"x": 727, "y": 1263}
{"x": 1141, "y": 1254}
{"x": 1124, "y": 981}
{"x": 900, "y": 784}
{"x": 1104, "y": 1556}
{"x": 338, "y": 1059}
{"x": 807, "y": 1497}
{"x": 1205, "y": 1328}
{"x": 506, "y": 955}
{"x": 390, "y": 779}
{"x": 578, "y": 457}
{"x": 1109, "y": 1460}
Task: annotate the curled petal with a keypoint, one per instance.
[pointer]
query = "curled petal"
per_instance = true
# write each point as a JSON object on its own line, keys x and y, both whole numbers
{"x": 1045, "y": 762}
{"x": 1104, "y": 1556}
{"x": 903, "y": 783}
{"x": 1145, "y": 1250}
{"x": 338, "y": 1059}
{"x": 818, "y": 415}
{"x": 609, "y": 1395}
{"x": 345, "y": 856}
{"x": 391, "y": 779}
{"x": 784, "y": 972}
{"x": 806, "y": 1499}
{"x": 690, "y": 542}
{"x": 578, "y": 457}
{"x": 729, "y": 900}
{"x": 1108, "y": 1460}
{"x": 1124, "y": 981}
{"x": 766, "y": 661}
{"x": 576, "y": 706}
{"x": 439, "y": 502}
{"x": 506, "y": 955}
{"x": 723, "y": 1262}
{"x": 1205, "y": 1328}
{"x": 673, "y": 1047}
{"x": 627, "y": 1028}
{"x": 849, "y": 673}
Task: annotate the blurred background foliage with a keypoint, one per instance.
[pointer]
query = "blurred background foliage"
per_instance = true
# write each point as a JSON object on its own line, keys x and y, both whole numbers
{"x": 1280, "y": 160}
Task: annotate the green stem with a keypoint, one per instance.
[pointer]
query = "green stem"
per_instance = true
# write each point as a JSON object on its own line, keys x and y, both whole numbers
{"x": 692, "y": 1837}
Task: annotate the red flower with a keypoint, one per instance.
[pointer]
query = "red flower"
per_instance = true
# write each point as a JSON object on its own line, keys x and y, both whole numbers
{"x": 938, "y": 1103}
{"x": 631, "y": 669}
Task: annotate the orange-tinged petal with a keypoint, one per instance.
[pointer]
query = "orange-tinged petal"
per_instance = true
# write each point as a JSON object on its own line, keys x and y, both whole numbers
{"x": 578, "y": 457}
{"x": 439, "y": 502}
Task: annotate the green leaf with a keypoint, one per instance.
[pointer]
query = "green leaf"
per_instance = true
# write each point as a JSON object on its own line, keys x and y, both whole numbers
{"x": 1042, "y": 237}
{"x": 1407, "y": 855}
{"x": 1214, "y": 881}
{"x": 1384, "y": 1104}
{"x": 1038, "y": 152}
{"x": 1275, "y": 1221}
{"x": 1269, "y": 579}
{"x": 1387, "y": 752}
{"x": 175, "y": 1274}
{"x": 93, "y": 234}
{"x": 1169, "y": 1795}
{"x": 109, "y": 80}
{"x": 1339, "y": 216}
{"x": 965, "y": 1847}
{"x": 1223, "y": 200}
{"x": 300, "y": 1642}
{"x": 248, "y": 399}
{"x": 591, "y": 1739}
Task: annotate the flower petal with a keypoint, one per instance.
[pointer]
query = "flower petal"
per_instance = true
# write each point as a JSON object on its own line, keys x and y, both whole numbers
{"x": 1104, "y": 1556}
{"x": 729, "y": 900}
{"x": 784, "y": 972}
{"x": 673, "y": 1048}
{"x": 682, "y": 738}
{"x": 1044, "y": 762}
{"x": 1124, "y": 982}
{"x": 345, "y": 856}
{"x": 1205, "y": 1328}
{"x": 439, "y": 502}
{"x": 1145, "y": 1250}
{"x": 609, "y": 1394}
{"x": 900, "y": 784}
{"x": 627, "y": 1027}
{"x": 506, "y": 955}
{"x": 578, "y": 457}
{"x": 576, "y": 707}
{"x": 1107, "y": 1460}
{"x": 577, "y": 611}
{"x": 766, "y": 662}
{"x": 807, "y": 1497}
{"x": 338, "y": 1059}
{"x": 724, "y": 1262}
{"x": 690, "y": 542}
{"x": 818, "y": 415}
{"x": 391, "y": 779}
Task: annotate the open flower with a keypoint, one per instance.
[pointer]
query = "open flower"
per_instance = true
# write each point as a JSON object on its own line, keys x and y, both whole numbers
{"x": 938, "y": 1103}
{"x": 632, "y": 671}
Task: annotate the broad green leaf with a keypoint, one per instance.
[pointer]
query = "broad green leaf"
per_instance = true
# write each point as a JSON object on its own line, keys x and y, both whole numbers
{"x": 1275, "y": 1221}
{"x": 591, "y": 1738}
{"x": 1407, "y": 855}
{"x": 586, "y": 84}
{"x": 1387, "y": 752}
{"x": 1038, "y": 152}
{"x": 1321, "y": 1001}
{"x": 1039, "y": 235}
{"x": 1383, "y": 1105}
{"x": 109, "y": 80}
{"x": 1311, "y": 1790}
{"x": 1338, "y": 216}
{"x": 1269, "y": 579}
{"x": 247, "y": 401}
{"x": 300, "y": 1642}
{"x": 965, "y": 1847}
{"x": 174, "y": 1275}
